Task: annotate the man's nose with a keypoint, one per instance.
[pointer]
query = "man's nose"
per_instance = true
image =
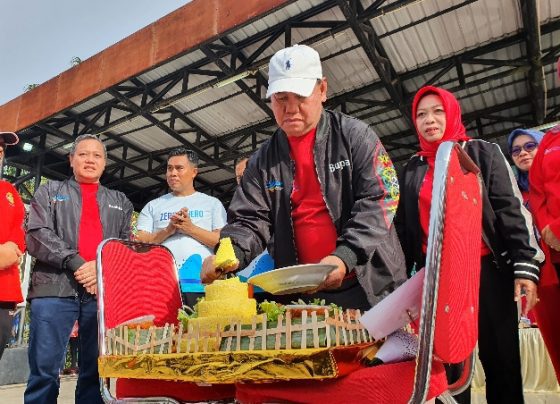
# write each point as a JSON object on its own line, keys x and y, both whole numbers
{"x": 292, "y": 106}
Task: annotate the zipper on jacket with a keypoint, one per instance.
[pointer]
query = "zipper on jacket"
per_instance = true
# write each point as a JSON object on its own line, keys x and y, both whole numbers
{"x": 293, "y": 167}
{"x": 413, "y": 271}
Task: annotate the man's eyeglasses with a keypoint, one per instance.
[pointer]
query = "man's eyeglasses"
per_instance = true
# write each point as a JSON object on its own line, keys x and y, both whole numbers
{"x": 528, "y": 147}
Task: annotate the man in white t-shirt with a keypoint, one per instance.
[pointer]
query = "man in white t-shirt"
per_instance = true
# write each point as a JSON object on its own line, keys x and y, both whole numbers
{"x": 185, "y": 221}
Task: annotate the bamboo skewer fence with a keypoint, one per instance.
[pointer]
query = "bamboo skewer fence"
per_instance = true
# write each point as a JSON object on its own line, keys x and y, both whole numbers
{"x": 169, "y": 339}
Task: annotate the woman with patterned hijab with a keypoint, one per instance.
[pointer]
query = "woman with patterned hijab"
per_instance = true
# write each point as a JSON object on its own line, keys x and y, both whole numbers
{"x": 510, "y": 257}
{"x": 523, "y": 145}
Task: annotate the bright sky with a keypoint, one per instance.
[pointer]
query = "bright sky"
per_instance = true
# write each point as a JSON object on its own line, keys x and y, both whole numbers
{"x": 38, "y": 38}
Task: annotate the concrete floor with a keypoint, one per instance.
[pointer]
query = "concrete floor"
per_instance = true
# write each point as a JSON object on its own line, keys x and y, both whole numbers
{"x": 13, "y": 393}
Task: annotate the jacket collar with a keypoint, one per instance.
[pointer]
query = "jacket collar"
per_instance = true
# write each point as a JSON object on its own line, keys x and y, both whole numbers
{"x": 322, "y": 128}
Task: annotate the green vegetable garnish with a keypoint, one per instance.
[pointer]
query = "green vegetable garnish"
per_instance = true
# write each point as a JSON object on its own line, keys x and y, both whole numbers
{"x": 320, "y": 302}
{"x": 271, "y": 309}
{"x": 186, "y": 313}
{"x": 333, "y": 307}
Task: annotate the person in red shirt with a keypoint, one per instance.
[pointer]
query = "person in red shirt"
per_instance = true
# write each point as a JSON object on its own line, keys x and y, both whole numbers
{"x": 544, "y": 200}
{"x": 321, "y": 190}
{"x": 12, "y": 245}
{"x": 67, "y": 222}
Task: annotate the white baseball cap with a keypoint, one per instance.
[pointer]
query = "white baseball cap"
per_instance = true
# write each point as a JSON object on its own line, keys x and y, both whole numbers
{"x": 294, "y": 70}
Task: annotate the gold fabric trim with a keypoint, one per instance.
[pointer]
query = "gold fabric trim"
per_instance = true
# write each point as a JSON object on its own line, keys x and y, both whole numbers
{"x": 223, "y": 367}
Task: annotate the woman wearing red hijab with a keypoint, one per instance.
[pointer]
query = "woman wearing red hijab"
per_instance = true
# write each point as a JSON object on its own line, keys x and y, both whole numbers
{"x": 510, "y": 257}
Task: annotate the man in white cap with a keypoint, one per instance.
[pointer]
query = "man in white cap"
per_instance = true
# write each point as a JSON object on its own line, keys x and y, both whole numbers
{"x": 321, "y": 190}
{"x": 12, "y": 245}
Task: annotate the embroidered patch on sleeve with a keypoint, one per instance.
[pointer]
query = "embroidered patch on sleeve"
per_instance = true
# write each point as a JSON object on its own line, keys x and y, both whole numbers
{"x": 388, "y": 175}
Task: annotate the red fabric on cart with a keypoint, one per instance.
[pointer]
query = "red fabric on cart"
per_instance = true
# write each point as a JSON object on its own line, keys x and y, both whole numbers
{"x": 379, "y": 384}
{"x": 456, "y": 331}
{"x": 181, "y": 391}
{"x": 141, "y": 282}
{"x": 346, "y": 357}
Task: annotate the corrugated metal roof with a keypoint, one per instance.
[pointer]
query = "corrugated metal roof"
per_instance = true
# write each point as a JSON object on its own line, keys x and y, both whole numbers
{"x": 469, "y": 26}
{"x": 172, "y": 66}
{"x": 548, "y": 9}
{"x": 151, "y": 139}
{"x": 273, "y": 19}
{"x": 236, "y": 113}
{"x": 145, "y": 183}
{"x": 91, "y": 103}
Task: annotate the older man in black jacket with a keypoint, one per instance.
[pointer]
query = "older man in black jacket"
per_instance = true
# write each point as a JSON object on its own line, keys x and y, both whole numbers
{"x": 67, "y": 221}
{"x": 321, "y": 190}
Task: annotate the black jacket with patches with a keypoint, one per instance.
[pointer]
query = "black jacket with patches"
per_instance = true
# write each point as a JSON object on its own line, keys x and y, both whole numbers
{"x": 507, "y": 226}
{"x": 53, "y": 229}
{"x": 360, "y": 189}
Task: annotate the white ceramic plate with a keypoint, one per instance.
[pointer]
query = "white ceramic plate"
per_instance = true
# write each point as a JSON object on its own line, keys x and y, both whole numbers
{"x": 294, "y": 279}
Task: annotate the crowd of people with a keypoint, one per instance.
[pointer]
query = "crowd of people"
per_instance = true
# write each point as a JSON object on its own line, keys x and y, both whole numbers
{"x": 322, "y": 189}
